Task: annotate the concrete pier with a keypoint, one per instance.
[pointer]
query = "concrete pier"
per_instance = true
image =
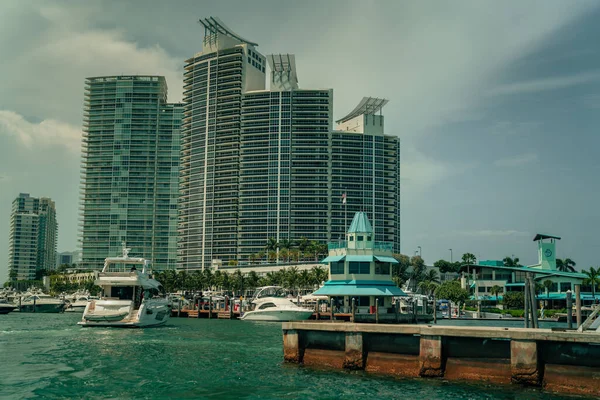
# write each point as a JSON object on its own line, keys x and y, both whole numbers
{"x": 567, "y": 362}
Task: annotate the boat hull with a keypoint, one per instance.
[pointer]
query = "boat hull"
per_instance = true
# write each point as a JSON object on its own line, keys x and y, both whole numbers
{"x": 43, "y": 308}
{"x": 151, "y": 314}
{"x": 277, "y": 315}
{"x": 5, "y": 309}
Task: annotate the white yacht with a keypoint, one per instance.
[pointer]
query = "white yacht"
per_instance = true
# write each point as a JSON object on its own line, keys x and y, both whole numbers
{"x": 130, "y": 297}
{"x": 79, "y": 303}
{"x": 271, "y": 304}
{"x": 37, "y": 301}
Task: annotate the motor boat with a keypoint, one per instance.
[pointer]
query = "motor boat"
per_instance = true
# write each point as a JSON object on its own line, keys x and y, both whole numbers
{"x": 130, "y": 296}
{"x": 79, "y": 303}
{"x": 37, "y": 301}
{"x": 6, "y": 307}
{"x": 272, "y": 304}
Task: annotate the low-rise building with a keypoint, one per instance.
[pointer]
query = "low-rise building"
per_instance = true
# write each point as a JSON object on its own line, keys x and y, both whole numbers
{"x": 360, "y": 268}
{"x": 484, "y": 276}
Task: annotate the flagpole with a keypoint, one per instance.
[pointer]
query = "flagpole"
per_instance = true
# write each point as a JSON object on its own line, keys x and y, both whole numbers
{"x": 345, "y": 215}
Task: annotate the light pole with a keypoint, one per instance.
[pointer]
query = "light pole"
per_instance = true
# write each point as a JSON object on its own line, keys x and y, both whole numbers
{"x": 450, "y": 255}
{"x": 420, "y": 253}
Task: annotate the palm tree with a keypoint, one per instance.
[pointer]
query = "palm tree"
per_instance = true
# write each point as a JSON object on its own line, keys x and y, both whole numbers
{"x": 495, "y": 290}
{"x": 284, "y": 254}
{"x": 285, "y": 244}
{"x": 566, "y": 265}
{"x": 547, "y": 284}
{"x": 469, "y": 259}
{"x": 432, "y": 276}
{"x": 252, "y": 258}
{"x": 593, "y": 279}
{"x": 318, "y": 275}
{"x": 252, "y": 279}
{"x": 511, "y": 262}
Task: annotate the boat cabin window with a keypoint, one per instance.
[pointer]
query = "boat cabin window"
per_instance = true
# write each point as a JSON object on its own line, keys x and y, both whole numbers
{"x": 266, "y": 305}
{"x": 122, "y": 292}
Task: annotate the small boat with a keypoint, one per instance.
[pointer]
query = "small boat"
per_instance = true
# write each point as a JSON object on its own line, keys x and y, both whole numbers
{"x": 130, "y": 296}
{"x": 271, "y": 304}
{"x": 6, "y": 307}
{"x": 37, "y": 301}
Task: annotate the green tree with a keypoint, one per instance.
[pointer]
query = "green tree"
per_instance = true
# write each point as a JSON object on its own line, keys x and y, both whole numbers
{"x": 566, "y": 265}
{"x": 318, "y": 275}
{"x": 468, "y": 259}
{"x": 428, "y": 287}
{"x": 495, "y": 290}
{"x": 514, "y": 300}
{"x": 451, "y": 290}
{"x": 252, "y": 280}
{"x": 418, "y": 271}
{"x": 444, "y": 266}
{"x": 400, "y": 271}
{"x": 511, "y": 262}
{"x": 271, "y": 245}
{"x": 431, "y": 276}
{"x": 547, "y": 284}
{"x": 593, "y": 279}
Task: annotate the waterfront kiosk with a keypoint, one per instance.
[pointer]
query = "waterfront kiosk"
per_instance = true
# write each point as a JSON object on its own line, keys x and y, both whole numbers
{"x": 360, "y": 268}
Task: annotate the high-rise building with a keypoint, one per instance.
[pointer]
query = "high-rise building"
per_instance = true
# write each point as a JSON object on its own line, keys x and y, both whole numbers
{"x": 130, "y": 170}
{"x": 33, "y": 236}
{"x": 214, "y": 81}
{"x": 260, "y": 164}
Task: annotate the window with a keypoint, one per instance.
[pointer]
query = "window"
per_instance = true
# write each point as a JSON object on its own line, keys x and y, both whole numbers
{"x": 266, "y": 305}
{"x": 359, "y": 238}
{"x": 337, "y": 267}
{"x": 481, "y": 289}
{"x": 564, "y": 286}
{"x": 382, "y": 268}
{"x": 359, "y": 267}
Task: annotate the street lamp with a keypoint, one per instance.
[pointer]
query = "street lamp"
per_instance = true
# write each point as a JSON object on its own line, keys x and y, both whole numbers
{"x": 420, "y": 253}
{"x": 450, "y": 255}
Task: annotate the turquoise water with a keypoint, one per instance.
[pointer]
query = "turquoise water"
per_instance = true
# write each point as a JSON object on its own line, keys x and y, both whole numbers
{"x": 48, "y": 356}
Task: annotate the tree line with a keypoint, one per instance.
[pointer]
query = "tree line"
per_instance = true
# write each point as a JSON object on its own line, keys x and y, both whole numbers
{"x": 288, "y": 250}
{"x": 237, "y": 282}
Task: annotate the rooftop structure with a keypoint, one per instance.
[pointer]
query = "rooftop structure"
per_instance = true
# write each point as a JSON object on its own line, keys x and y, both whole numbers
{"x": 283, "y": 71}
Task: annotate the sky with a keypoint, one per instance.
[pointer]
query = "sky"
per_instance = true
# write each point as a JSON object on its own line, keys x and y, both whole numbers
{"x": 497, "y": 104}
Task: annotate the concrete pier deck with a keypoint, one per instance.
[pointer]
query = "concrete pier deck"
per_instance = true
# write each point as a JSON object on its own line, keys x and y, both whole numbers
{"x": 567, "y": 362}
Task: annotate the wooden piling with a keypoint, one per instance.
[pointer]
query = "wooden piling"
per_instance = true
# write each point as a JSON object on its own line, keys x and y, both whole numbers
{"x": 578, "y": 304}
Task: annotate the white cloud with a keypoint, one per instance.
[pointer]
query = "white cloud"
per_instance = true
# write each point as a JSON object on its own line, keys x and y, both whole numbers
{"x": 419, "y": 172}
{"x": 46, "y": 133}
{"x": 487, "y": 233}
{"x": 517, "y": 161}
{"x": 552, "y": 83}
{"x": 47, "y": 76}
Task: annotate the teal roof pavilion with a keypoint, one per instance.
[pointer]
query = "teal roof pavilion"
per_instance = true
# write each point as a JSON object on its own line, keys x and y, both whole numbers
{"x": 360, "y": 224}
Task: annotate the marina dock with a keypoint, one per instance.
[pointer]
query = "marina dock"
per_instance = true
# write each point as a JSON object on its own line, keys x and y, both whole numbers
{"x": 559, "y": 361}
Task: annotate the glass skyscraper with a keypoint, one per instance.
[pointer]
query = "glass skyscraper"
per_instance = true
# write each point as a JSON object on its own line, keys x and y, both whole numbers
{"x": 260, "y": 164}
{"x": 130, "y": 170}
{"x": 33, "y": 236}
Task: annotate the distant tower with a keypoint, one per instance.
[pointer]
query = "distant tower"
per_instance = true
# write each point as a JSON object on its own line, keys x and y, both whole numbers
{"x": 130, "y": 163}
{"x": 33, "y": 236}
{"x": 546, "y": 251}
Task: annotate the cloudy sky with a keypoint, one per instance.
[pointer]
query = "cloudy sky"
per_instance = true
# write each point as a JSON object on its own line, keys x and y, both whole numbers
{"x": 497, "y": 104}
